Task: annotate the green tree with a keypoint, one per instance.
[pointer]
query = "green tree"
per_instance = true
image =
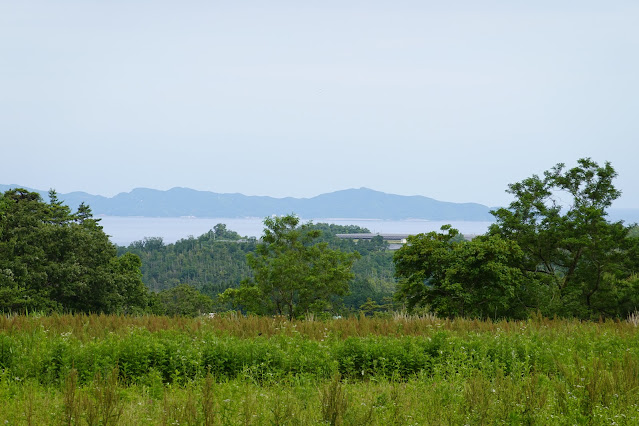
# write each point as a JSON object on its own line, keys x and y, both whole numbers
{"x": 182, "y": 300}
{"x": 576, "y": 262}
{"x": 221, "y": 232}
{"x": 53, "y": 259}
{"x": 293, "y": 274}
{"x": 552, "y": 250}
{"x": 454, "y": 277}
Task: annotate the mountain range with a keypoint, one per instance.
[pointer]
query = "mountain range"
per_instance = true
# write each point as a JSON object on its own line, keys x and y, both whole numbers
{"x": 360, "y": 203}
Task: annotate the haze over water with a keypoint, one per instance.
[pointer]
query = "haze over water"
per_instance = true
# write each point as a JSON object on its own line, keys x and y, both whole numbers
{"x": 125, "y": 230}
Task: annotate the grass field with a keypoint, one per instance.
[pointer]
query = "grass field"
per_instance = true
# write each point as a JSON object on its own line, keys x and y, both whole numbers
{"x": 91, "y": 369}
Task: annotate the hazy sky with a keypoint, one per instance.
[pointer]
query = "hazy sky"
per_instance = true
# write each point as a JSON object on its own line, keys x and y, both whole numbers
{"x": 451, "y": 100}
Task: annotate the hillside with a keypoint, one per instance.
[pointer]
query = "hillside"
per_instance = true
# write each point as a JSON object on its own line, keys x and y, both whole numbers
{"x": 216, "y": 261}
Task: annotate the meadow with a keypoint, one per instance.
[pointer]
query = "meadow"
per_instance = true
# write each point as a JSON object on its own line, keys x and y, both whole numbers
{"x": 231, "y": 369}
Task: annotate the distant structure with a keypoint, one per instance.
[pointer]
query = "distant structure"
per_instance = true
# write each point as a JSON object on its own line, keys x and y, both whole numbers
{"x": 391, "y": 238}
{"x": 395, "y": 241}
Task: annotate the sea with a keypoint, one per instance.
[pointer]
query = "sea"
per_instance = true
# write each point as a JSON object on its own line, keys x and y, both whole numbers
{"x": 125, "y": 230}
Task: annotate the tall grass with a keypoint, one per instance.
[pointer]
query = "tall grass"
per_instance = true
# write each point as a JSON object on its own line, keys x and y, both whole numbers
{"x": 91, "y": 326}
{"x": 97, "y": 369}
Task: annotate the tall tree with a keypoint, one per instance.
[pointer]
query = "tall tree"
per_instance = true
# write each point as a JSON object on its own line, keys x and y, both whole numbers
{"x": 293, "y": 274}
{"x": 53, "y": 259}
{"x": 455, "y": 277}
{"x": 577, "y": 262}
{"x": 551, "y": 250}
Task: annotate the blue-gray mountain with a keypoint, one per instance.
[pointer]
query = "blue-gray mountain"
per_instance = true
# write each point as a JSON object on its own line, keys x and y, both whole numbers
{"x": 361, "y": 203}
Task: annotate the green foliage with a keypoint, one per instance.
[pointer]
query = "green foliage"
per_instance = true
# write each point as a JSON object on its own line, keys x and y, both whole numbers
{"x": 210, "y": 263}
{"x": 364, "y": 358}
{"x": 373, "y": 271}
{"x": 216, "y": 261}
{"x": 52, "y": 259}
{"x": 552, "y": 250}
{"x": 181, "y": 300}
{"x": 292, "y": 274}
{"x": 446, "y": 349}
{"x": 108, "y": 369}
{"x": 222, "y": 233}
{"x": 576, "y": 262}
{"x": 477, "y": 278}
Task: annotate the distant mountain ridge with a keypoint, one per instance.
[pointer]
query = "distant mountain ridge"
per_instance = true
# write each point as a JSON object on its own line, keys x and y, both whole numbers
{"x": 362, "y": 203}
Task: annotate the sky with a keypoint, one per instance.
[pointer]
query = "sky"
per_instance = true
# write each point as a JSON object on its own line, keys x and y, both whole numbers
{"x": 451, "y": 100}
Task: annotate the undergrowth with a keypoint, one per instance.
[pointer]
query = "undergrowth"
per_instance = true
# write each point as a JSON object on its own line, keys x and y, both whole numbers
{"x": 92, "y": 369}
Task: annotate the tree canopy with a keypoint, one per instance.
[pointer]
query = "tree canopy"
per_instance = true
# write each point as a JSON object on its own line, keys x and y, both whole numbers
{"x": 551, "y": 250}
{"x": 292, "y": 273}
{"x": 181, "y": 300}
{"x": 216, "y": 261}
{"x": 580, "y": 263}
{"x": 53, "y": 259}
{"x": 454, "y": 277}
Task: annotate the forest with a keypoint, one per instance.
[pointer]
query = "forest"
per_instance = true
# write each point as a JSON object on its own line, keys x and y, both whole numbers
{"x": 217, "y": 260}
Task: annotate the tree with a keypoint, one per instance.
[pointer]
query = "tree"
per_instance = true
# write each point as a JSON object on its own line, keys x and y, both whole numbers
{"x": 52, "y": 259}
{"x": 455, "y": 277}
{"x": 293, "y": 274}
{"x": 181, "y": 300}
{"x": 552, "y": 250}
{"x": 575, "y": 261}
{"x": 221, "y": 233}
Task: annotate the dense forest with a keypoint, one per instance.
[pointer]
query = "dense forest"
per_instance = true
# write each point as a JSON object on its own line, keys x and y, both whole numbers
{"x": 216, "y": 261}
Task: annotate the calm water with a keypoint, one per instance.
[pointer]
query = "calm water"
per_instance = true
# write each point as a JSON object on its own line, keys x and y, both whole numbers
{"x": 125, "y": 230}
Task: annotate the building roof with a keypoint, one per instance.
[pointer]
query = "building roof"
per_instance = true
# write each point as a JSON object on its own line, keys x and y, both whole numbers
{"x": 370, "y": 236}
